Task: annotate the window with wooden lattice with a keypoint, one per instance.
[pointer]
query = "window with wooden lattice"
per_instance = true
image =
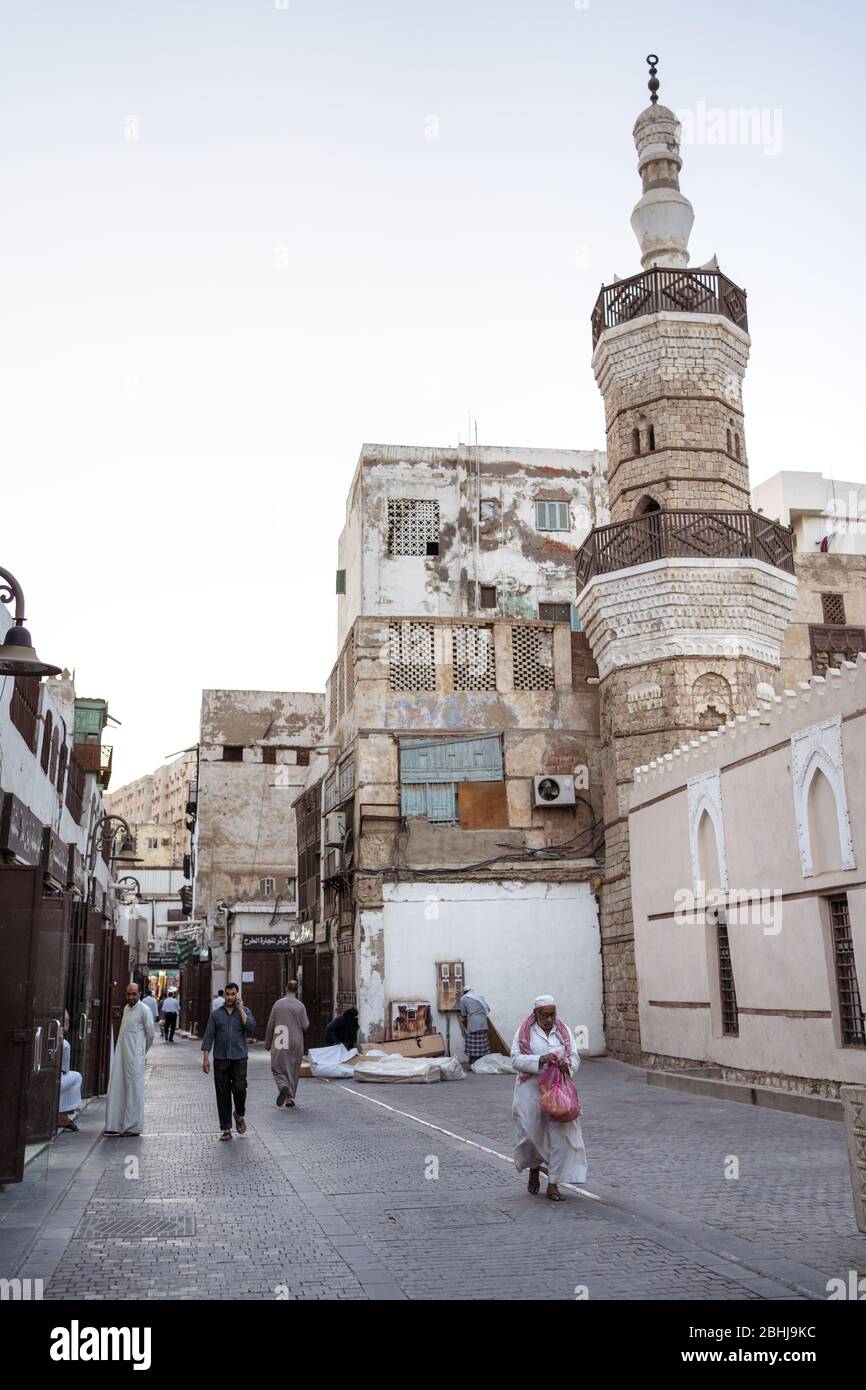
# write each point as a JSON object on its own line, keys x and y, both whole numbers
{"x": 411, "y": 664}
{"x": 473, "y": 657}
{"x": 833, "y": 608}
{"x": 24, "y": 708}
{"x": 532, "y": 655}
{"x": 349, "y": 659}
{"x": 332, "y": 701}
{"x": 831, "y": 646}
{"x": 413, "y": 526}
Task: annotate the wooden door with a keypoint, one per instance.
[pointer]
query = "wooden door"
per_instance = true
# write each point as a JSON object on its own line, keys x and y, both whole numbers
{"x": 324, "y": 1000}
{"x": 117, "y": 979}
{"x": 308, "y": 992}
{"x": 20, "y": 896}
{"x": 268, "y": 969}
{"x": 95, "y": 938}
{"x": 52, "y": 923}
{"x": 79, "y": 992}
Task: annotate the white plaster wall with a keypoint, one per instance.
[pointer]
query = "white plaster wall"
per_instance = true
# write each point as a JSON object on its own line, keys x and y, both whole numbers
{"x": 526, "y": 565}
{"x": 21, "y": 771}
{"x": 785, "y": 971}
{"x": 516, "y": 940}
{"x": 370, "y": 955}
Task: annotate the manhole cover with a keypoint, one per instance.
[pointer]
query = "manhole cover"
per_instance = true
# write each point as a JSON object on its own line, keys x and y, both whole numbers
{"x": 139, "y": 1227}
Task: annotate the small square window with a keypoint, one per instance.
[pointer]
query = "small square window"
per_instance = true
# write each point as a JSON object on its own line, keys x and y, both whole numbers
{"x": 341, "y": 581}
{"x": 302, "y": 757}
{"x": 269, "y": 755}
{"x": 432, "y": 547}
{"x": 552, "y": 516}
{"x": 266, "y": 887}
{"x": 833, "y": 607}
{"x": 555, "y": 612}
{"x": 487, "y": 597}
{"x": 233, "y": 752}
{"x": 487, "y": 511}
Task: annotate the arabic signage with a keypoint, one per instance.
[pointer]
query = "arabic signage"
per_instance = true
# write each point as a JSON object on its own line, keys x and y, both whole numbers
{"x": 20, "y": 831}
{"x": 76, "y": 877}
{"x": 55, "y": 856}
{"x": 297, "y": 936}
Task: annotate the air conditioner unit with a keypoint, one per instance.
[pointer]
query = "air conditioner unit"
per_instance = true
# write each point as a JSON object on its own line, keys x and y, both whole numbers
{"x": 334, "y": 862}
{"x": 335, "y": 828}
{"x": 552, "y": 791}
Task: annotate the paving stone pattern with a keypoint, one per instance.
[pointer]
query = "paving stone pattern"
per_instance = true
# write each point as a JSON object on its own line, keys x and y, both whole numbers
{"x": 342, "y": 1198}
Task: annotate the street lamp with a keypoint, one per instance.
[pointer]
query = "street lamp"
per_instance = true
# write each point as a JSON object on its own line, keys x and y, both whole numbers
{"x": 126, "y": 853}
{"x": 17, "y": 654}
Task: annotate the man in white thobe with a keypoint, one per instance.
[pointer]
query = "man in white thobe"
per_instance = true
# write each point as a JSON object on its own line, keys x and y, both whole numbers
{"x": 541, "y": 1142}
{"x": 70, "y": 1085}
{"x": 124, "y": 1113}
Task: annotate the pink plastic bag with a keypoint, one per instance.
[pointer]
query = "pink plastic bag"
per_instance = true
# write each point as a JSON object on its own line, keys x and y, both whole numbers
{"x": 559, "y": 1098}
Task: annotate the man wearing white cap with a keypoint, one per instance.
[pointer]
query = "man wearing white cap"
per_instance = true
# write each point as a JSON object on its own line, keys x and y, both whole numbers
{"x": 541, "y": 1040}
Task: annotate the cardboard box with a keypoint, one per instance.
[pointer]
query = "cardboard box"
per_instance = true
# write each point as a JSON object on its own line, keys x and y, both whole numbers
{"x": 430, "y": 1045}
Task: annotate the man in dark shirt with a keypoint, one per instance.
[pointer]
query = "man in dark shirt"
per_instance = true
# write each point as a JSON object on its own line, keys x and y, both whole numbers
{"x": 226, "y": 1036}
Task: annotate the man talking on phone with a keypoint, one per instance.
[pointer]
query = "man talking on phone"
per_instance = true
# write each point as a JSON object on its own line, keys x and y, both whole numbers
{"x": 226, "y": 1036}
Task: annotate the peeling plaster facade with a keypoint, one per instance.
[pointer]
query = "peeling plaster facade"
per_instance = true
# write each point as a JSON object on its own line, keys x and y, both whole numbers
{"x": 414, "y": 888}
{"x": 487, "y": 530}
{"x": 245, "y": 829}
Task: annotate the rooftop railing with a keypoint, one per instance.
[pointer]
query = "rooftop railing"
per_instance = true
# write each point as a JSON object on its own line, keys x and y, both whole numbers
{"x": 664, "y": 288}
{"x": 695, "y": 535}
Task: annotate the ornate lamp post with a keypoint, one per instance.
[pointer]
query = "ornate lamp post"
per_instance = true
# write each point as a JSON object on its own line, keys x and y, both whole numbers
{"x": 125, "y": 855}
{"x": 17, "y": 655}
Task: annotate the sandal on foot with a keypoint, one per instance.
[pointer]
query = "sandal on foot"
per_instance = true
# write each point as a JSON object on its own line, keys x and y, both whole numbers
{"x": 554, "y": 1196}
{"x": 226, "y": 1134}
{"x": 533, "y": 1188}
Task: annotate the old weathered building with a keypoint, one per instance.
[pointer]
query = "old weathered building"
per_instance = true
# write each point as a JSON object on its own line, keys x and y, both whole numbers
{"x": 475, "y": 530}
{"x": 155, "y": 806}
{"x": 58, "y": 943}
{"x": 461, "y": 685}
{"x": 254, "y": 755}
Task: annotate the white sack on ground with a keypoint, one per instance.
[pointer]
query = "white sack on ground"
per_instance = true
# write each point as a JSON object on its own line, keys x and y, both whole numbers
{"x": 494, "y": 1064}
{"x": 411, "y": 1069}
{"x": 330, "y": 1061}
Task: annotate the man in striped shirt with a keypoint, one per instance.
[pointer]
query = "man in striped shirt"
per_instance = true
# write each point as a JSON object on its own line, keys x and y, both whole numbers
{"x": 226, "y": 1036}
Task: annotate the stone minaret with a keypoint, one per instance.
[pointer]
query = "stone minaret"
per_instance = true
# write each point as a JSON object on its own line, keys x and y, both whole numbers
{"x": 686, "y": 595}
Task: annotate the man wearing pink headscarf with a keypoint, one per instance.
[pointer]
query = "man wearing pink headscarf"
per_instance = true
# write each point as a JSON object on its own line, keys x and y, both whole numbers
{"x": 541, "y": 1039}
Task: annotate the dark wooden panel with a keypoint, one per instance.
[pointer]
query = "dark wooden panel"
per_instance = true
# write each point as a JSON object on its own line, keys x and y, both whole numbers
{"x": 20, "y": 895}
{"x": 483, "y": 805}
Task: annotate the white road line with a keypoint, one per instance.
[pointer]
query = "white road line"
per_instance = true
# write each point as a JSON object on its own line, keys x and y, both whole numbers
{"x": 580, "y": 1191}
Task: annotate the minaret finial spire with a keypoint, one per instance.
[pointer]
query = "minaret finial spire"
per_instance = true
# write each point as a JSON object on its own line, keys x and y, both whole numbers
{"x": 653, "y": 84}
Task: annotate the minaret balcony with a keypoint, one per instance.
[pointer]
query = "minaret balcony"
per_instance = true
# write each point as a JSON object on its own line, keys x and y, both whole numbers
{"x": 663, "y": 535}
{"x": 666, "y": 289}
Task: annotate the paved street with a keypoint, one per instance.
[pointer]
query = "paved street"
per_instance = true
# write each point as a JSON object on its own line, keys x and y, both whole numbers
{"x": 347, "y": 1198}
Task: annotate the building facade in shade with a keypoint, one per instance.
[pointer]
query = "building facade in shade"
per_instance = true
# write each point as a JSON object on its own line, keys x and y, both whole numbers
{"x": 685, "y": 597}
{"x": 255, "y": 752}
{"x": 828, "y": 523}
{"x": 58, "y": 943}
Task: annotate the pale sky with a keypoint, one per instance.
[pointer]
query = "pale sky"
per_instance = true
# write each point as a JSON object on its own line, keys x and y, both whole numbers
{"x": 241, "y": 238}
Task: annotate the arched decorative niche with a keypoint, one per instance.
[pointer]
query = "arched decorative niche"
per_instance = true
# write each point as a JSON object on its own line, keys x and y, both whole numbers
{"x": 707, "y": 831}
{"x": 821, "y": 806}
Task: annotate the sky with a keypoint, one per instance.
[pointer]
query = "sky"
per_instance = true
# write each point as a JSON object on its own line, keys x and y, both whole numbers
{"x": 241, "y": 238}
